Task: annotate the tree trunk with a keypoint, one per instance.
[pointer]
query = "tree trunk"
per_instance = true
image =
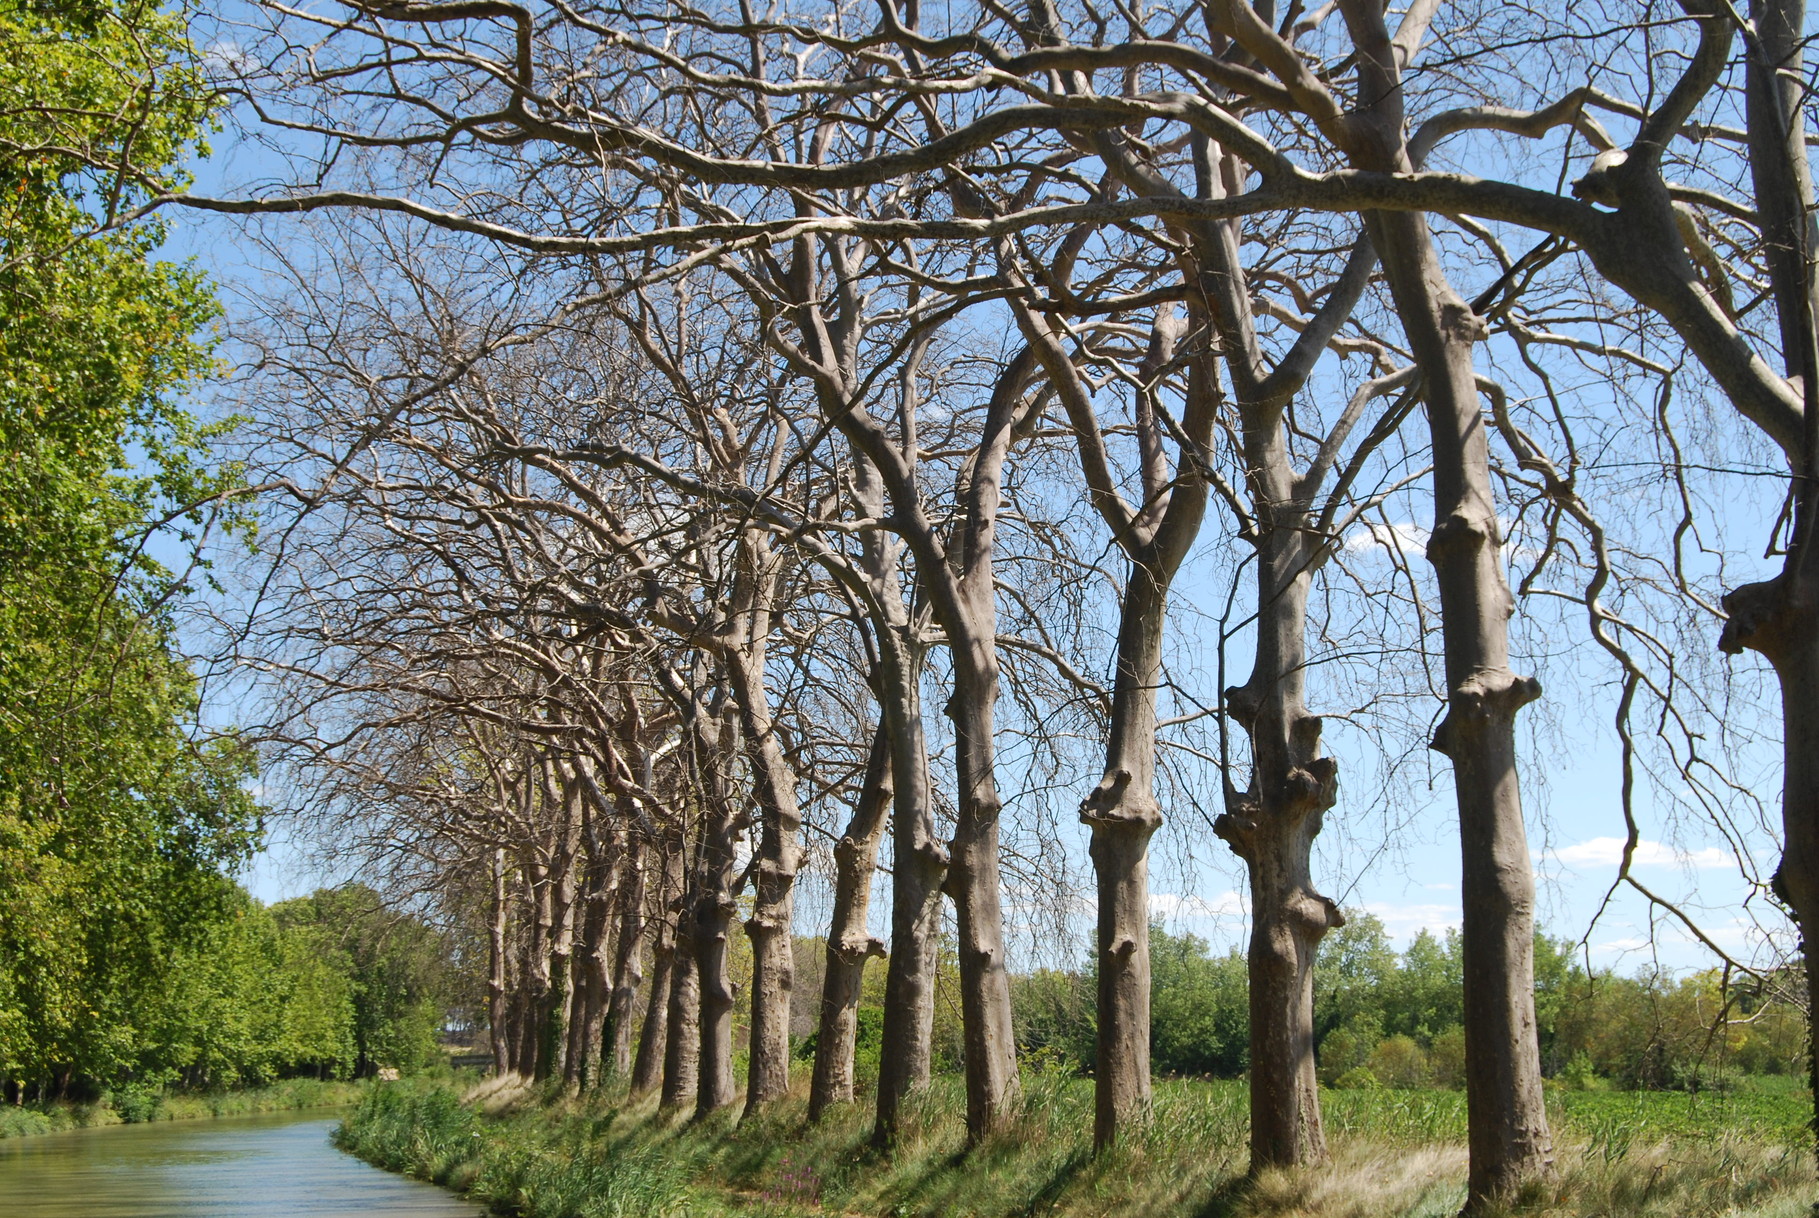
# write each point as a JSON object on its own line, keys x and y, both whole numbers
{"x": 714, "y": 909}
{"x": 667, "y": 957}
{"x": 1121, "y": 810}
{"x": 779, "y": 852}
{"x": 1272, "y": 827}
{"x": 973, "y": 879}
{"x": 967, "y": 609}
{"x": 849, "y": 945}
{"x": 593, "y": 950}
{"x": 918, "y": 864}
{"x": 552, "y": 1051}
{"x": 1123, "y": 815}
{"x": 1509, "y": 1139}
{"x": 495, "y": 971}
{"x": 682, "y": 1045}
{"x": 537, "y": 975}
{"x": 653, "y": 1036}
{"x": 628, "y": 959}
{"x": 1779, "y": 618}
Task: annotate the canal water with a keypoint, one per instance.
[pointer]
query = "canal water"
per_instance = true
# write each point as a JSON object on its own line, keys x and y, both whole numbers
{"x": 271, "y": 1166}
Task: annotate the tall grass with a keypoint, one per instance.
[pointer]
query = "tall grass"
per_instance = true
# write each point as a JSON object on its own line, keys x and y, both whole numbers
{"x": 1394, "y": 1153}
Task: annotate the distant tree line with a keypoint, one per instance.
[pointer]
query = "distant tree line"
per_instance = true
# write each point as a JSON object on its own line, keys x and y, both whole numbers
{"x": 1395, "y": 1019}
{"x": 331, "y": 986}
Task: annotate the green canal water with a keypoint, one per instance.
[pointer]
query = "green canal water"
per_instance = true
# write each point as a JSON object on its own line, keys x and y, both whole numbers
{"x": 271, "y": 1166}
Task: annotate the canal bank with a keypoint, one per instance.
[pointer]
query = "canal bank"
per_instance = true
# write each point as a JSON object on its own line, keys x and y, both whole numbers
{"x": 275, "y": 1165}
{"x": 1396, "y": 1154}
{"x": 20, "y": 1121}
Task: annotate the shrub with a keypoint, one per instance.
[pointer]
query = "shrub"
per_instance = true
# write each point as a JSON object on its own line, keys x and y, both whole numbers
{"x": 1358, "y": 1078}
{"x": 137, "y": 1102}
{"x": 1398, "y": 1062}
{"x": 1446, "y": 1059}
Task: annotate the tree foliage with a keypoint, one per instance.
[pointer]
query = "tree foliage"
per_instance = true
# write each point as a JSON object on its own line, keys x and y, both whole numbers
{"x": 118, "y": 815}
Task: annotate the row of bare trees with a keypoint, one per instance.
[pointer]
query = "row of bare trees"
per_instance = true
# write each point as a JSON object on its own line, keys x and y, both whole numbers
{"x": 673, "y": 402}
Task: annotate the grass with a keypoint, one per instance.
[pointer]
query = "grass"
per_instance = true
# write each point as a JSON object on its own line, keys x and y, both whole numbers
{"x": 1652, "y": 1155}
{"x": 24, "y": 1120}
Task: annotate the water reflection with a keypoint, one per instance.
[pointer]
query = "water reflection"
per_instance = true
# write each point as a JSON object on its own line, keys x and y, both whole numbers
{"x": 276, "y": 1166}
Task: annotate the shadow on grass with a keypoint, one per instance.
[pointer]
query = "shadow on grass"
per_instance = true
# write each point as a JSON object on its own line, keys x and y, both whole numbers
{"x": 1227, "y": 1200}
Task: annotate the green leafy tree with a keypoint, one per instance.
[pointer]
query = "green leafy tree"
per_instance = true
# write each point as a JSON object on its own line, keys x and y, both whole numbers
{"x": 1353, "y": 974}
{"x": 400, "y": 976}
{"x": 117, "y": 817}
{"x": 1199, "y": 1007}
{"x": 1426, "y": 997}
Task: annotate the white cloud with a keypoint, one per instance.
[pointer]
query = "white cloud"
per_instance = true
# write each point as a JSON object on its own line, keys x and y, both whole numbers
{"x": 1608, "y": 852}
{"x": 1411, "y": 539}
{"x": 1404, "y": 922}
{"x": 1407, "y": 536}
{"x": 228, "y": 56}
{"x": 1170, "y": 906}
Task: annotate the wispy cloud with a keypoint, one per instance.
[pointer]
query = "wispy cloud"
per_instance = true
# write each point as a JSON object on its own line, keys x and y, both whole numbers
{"x": 1173, "y": 907}
{"x": 1404, "y": 922}
{"x": 1406, "y": 536}
{"x": 1411, "y": 539}
{"x": 228, "y": 56}
{"x": 1608, "y": 852}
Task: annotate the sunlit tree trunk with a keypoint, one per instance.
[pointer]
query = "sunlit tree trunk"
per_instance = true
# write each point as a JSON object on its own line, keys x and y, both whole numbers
{"x": 495, "y": 972}
{"x": 653, "y": 1036}
{"x": 779, "y": 843}
{"x": 1779, "y": 618}
{"x": 682, "y": 1034}
{"x": 628, "y": 957}
{"x": 849, "y": 944}
{"x": 918, "y": 865}
{"x": 1272, "y": 826}
{"x": 592, "y": 954}
{"x": 1510, "y": 1143}
{"x": 710, "y": 930}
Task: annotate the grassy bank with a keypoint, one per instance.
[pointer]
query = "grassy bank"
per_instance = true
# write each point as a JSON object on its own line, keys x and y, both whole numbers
{"x": 22, "y": 1121}
{"x": 1394, "y": 1153}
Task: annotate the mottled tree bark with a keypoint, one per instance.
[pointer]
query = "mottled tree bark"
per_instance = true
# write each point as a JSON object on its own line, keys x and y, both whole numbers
{"x": 653, "y": 1033}
{"x": 963, "y": 597}
{"x": 666, "y": 958}
{"x": 1272, "y": 826}
{"x": 1123, "y": 815}
{"x": 973, "y": 880}
{"x": 628, "y": 958}
{"x": 682, "y": 1040}
{"x": 849, "y": 945}
{"x": 561, "y": 887}
{"x": 495, "y": 972}
{"x": 537, "y": 975}
{"x": 592, "y": 954}
{"x": 1121, "y": 811}
{"x": 827, "y": 312}
{"x": 710, "y": 928}
{"x": 1510, "y": 1143}
{"x": 1779, "y": 618}
{"x": 918, "y": 865}
{"x": 1509, "y": 1139}
{"x": 779, "y": 843}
